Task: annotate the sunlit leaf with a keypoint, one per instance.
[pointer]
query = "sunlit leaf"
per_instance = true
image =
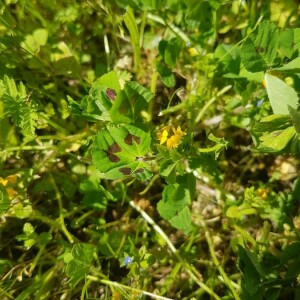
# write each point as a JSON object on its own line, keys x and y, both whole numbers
{"x": 260, "y": 48}
{"x": 280, "y": 95}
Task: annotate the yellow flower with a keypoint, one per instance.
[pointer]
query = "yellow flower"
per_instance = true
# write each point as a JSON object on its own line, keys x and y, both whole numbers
{"x": 3, "y": 181}
{"x": 171, "y": 135}
{"x": 11, "y": 179}
{"x": 263, "y": 193}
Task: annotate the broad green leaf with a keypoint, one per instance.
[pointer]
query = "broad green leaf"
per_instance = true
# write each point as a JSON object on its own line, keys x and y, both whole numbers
{"x": 175, "y": 198}
{"x": 97, "y": 105}
{"x": 280, "y": 95}
{"x": 295, "y": 116}
{"x": 239, "y": 212}
{"x": 168, "y": 170}
{"x": 174, "y": 204}
{"x": 20, "y": 211}
{"x": 167, "y": 76}
{"x": 108, "y": 80}
{"x": 276, "y": 141}
{"x": 78, "y": 267}
{"x": 182, "y": 220}
{"x": 33, "y": 41}
{"x": 251, "y": 269}
{"x": 118, "y": 151}
{"x": 95, "y": 195}
{"x": 130, "y": 104}
{"x": 170, "y": 51}
{"x": 28, "y": 229}
{"x": 259, "y": 49}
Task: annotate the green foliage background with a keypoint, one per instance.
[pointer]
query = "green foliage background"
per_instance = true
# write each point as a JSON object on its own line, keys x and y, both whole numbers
{"x": 93, "y": 205}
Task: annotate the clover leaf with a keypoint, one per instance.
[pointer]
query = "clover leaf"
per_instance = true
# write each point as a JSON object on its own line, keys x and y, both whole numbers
{"x": 119, "y": 151}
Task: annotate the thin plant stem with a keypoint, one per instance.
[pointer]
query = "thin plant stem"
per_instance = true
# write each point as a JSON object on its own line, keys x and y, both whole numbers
{"x": 194, "y": 274}
{"x": 125, "y": 287}
{"x": 61, "y": 213}
{"x": 148, "y": 187}
{"x": 153, "y": 91}
{"x": 38, "y": 256}
{"x": 216, "y": 262}
{"x": 210, "y": 102}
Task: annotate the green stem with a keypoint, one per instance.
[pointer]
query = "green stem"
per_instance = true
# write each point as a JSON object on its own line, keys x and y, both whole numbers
{"x": 153, "y": 91}
{"x": 148, "y": 187}
{"x": 210, "y": 149}
{"x": 38, "y": 256}
{"x": 61, "y": 220}
{"x": 210, "y": 102}
{"x": 28, "y": 148}
{"x": 52, "y": 123}
{"x": 194, "y": 274}
{"x": 84, "y": 288}
{"x": 218, "y": 265}
{"x": 125, "y": 287}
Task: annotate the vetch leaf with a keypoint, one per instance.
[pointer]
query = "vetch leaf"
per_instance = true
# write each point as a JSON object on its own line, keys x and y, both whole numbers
{"x": 217, "y": 148}
{"x": 260, "y": 48}
{"x": 289, "y": 42}
{"x": 119, "y": 150}
{"x": 272, "y": 123}
{"x": 280, "y": 95}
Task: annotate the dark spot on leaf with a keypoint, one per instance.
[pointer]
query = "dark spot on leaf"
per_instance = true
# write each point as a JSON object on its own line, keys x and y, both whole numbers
{"x": 111, "y": 94}
{"x": 114, "y": 148}
{"x": 113, "y": 157}
{"x": 125, "y": 171}
{"x": 130, "y": 138}
{"x": 139, "y": 170}
{"x": 260, "y": 49}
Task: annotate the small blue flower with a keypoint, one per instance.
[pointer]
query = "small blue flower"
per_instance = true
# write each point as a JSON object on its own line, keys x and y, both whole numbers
{"x": 259, "y": 102}
{"x": 128, "y": 260}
